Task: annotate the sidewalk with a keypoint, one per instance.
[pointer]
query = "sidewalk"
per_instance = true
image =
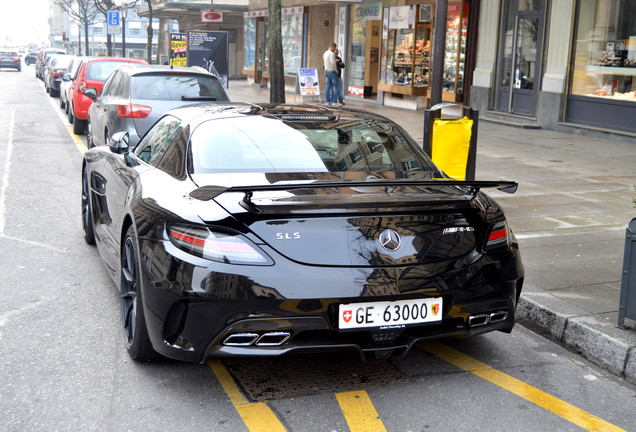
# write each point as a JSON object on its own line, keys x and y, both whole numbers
{"x": 570, "y": 214}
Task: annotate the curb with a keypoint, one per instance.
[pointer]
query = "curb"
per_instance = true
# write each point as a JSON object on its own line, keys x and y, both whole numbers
{"x": 577, "y": 334}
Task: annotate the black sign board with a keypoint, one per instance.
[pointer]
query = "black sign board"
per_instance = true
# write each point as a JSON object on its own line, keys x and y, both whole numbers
{"x": 209, "y": 50}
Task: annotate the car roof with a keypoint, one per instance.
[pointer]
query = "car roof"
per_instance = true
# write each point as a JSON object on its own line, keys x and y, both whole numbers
{"x": 119, "y": 59}
{"x": 147, "y": 69}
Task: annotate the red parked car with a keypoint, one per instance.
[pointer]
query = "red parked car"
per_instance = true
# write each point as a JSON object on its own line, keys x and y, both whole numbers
{"x": 92, "y": 73}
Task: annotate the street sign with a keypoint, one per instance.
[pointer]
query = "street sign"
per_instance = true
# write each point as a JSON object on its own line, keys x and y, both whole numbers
{"x": 114, "y": 23}
{"x": 114, "y": 18}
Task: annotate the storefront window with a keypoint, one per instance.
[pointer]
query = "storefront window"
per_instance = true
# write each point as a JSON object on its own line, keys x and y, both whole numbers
{"x": 292, "y": 32}
{"x": 361, "y": 48}
{"x": 249, "y": 43}
{"x": 605, "y": 50}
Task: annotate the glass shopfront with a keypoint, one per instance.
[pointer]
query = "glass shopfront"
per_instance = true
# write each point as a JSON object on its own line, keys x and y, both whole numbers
{"x": 255, "y": 53}
{"x": 603, "y": 85}
{"x": 363, "y": 53}
{"x": 406, "y": 49}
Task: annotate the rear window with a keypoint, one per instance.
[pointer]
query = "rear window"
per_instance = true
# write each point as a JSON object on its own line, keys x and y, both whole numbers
{"x": 267, "y": 145}
{"x": 175, "y": 86}
{"x": 8, "y": 54}
{"x": 100, "y": 70}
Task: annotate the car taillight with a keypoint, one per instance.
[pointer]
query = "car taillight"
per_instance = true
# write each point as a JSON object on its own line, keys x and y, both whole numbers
{"x": 499, "y": 236}
{"x": 16, "y": 58}
{"x": 216, "y": 246}
{"x": 133, "y": 111}
{"x": 56, "y": 72}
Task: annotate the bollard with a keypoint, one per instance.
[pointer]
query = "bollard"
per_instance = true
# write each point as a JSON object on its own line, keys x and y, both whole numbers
{"x": 627, "y": 306}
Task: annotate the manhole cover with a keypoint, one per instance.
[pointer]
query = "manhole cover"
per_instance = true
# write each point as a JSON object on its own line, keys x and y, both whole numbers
{"x": 296, "y": 376}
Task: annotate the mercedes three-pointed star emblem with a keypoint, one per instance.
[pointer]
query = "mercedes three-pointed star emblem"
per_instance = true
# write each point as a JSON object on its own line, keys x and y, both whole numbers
{"x": 390, "y": 240}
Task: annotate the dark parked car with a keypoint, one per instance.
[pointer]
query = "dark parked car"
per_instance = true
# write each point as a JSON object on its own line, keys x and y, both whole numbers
{"x": 10, "y": 59}
{"x": 31, "y": 58}
{"x": 133, "y": 99}
{"x": 260, "y": 230}
{"x": 57, "y": 69}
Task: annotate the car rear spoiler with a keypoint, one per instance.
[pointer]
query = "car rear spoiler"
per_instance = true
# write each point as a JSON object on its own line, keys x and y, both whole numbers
{"x": 207, "y": 193}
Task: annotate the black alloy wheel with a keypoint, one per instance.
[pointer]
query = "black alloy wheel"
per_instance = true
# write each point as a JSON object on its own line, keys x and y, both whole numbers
{"x": 132, "y": 312}
{"x": 87, "y": 218}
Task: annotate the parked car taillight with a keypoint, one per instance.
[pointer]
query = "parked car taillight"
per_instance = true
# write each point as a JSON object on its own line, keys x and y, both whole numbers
{"x": 499, "y": 236}
{"x": 133, "y": 111}
{"x": 16, "y": 58}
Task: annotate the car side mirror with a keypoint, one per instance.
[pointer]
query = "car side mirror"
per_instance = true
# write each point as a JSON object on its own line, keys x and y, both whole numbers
{"x": 66, "y": 77}
{"x": 91, "y": 93}
{"x": 119, "y": 143}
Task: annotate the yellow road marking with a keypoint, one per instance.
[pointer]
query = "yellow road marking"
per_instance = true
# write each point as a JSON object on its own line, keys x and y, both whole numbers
{"x": 359, "y": 412}
{"x": 77, "y": 140}
{"x": 258, "y": 417}
{"x": 546, "y": 401}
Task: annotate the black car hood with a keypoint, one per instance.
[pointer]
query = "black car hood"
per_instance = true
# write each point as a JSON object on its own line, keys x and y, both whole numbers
{"x": 355, "y": 219}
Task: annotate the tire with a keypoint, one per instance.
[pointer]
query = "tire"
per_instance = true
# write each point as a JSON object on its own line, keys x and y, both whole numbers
{"x": 69, "y": 113}
{"x": 138, "y": 342}
{"x": 62, "y": 104}
{"x": 78, "y": 125}
{"x": 87, "y": 217}
{"x": 89, "y": 135}
{"x": 53, "y": 92}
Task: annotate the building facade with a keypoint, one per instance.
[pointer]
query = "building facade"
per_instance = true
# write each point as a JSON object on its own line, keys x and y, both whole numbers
{"x": 562, "y": 65}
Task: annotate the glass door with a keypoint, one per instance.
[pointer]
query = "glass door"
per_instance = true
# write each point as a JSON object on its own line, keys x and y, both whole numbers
{"x": 520, "y": 57}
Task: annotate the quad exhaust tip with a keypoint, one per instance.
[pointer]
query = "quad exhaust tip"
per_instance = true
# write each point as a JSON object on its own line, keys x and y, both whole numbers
{"x": 248, "y": 339}
{"x": 483, "y": 319}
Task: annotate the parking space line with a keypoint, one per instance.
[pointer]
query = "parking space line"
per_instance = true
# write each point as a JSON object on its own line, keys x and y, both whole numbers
{"x": 359, "y": 412}
{"x": 76, "y": 139}
{"x": 258, "y": 417}
{"x": 532, "y": 394}
{"x": 5, "y": 173}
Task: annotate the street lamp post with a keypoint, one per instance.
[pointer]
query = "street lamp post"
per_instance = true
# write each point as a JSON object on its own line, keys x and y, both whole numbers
{"x": 124, "y": 5}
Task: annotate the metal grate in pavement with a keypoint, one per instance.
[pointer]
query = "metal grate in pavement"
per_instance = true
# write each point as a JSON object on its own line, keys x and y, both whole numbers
{"x": 265, "y": 379}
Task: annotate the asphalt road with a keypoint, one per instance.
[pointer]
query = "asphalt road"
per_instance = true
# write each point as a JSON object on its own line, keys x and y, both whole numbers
{"x": 64, "y": 366}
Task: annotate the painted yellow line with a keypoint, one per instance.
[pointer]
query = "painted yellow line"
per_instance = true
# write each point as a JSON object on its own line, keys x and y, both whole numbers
{"x": 546, "y": 401}
{"x": 258, "y": 417}
{"x": 77, "y": 140}
{"x": 359, "y": 412}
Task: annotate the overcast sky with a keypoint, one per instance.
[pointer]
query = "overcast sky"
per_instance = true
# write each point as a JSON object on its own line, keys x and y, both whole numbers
{"x": 23, "y": 22}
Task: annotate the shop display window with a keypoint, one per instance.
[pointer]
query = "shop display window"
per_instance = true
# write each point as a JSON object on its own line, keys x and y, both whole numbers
{"x": 407, "y": 53}
{"x": 249, "y": 43}
{"x": 605, "y": 50}
{"x": 454, "y": 61}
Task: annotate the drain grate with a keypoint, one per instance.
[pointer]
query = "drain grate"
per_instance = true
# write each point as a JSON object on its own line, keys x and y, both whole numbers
{"x": 264, "y": 379}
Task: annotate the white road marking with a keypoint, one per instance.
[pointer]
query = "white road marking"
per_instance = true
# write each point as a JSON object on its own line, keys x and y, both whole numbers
{"x": 5, "y": 174}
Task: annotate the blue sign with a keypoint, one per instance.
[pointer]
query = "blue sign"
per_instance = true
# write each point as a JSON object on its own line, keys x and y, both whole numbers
{"x": 114, "y": 18}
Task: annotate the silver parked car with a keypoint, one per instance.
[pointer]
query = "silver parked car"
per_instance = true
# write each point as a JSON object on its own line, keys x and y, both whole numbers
{"x": 134, "y": 98}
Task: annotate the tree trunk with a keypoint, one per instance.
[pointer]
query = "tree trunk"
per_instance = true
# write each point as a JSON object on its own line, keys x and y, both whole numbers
{"x": 150, "y": 33}
{"x": 86, "y": 37}
{"x": 275, "y": 68}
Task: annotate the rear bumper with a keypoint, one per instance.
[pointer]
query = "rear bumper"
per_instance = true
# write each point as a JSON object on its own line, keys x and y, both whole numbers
{"x": 192, "y": 310}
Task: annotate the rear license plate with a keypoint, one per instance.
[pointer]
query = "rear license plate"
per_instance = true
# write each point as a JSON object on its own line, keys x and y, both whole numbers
{"x": 389, "y": 313}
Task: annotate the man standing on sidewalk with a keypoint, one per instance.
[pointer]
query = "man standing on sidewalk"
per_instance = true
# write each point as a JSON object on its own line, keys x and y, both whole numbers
{"x": 331, "y": 75}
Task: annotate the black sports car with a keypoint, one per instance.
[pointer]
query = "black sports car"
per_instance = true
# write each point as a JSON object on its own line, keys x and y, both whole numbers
{"x": 245, "y": 230}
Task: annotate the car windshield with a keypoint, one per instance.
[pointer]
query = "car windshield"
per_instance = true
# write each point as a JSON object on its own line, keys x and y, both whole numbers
{"x": 260, "y": 144}
{"x": 175, "y": 86}
{"x": 100, "y": 70}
